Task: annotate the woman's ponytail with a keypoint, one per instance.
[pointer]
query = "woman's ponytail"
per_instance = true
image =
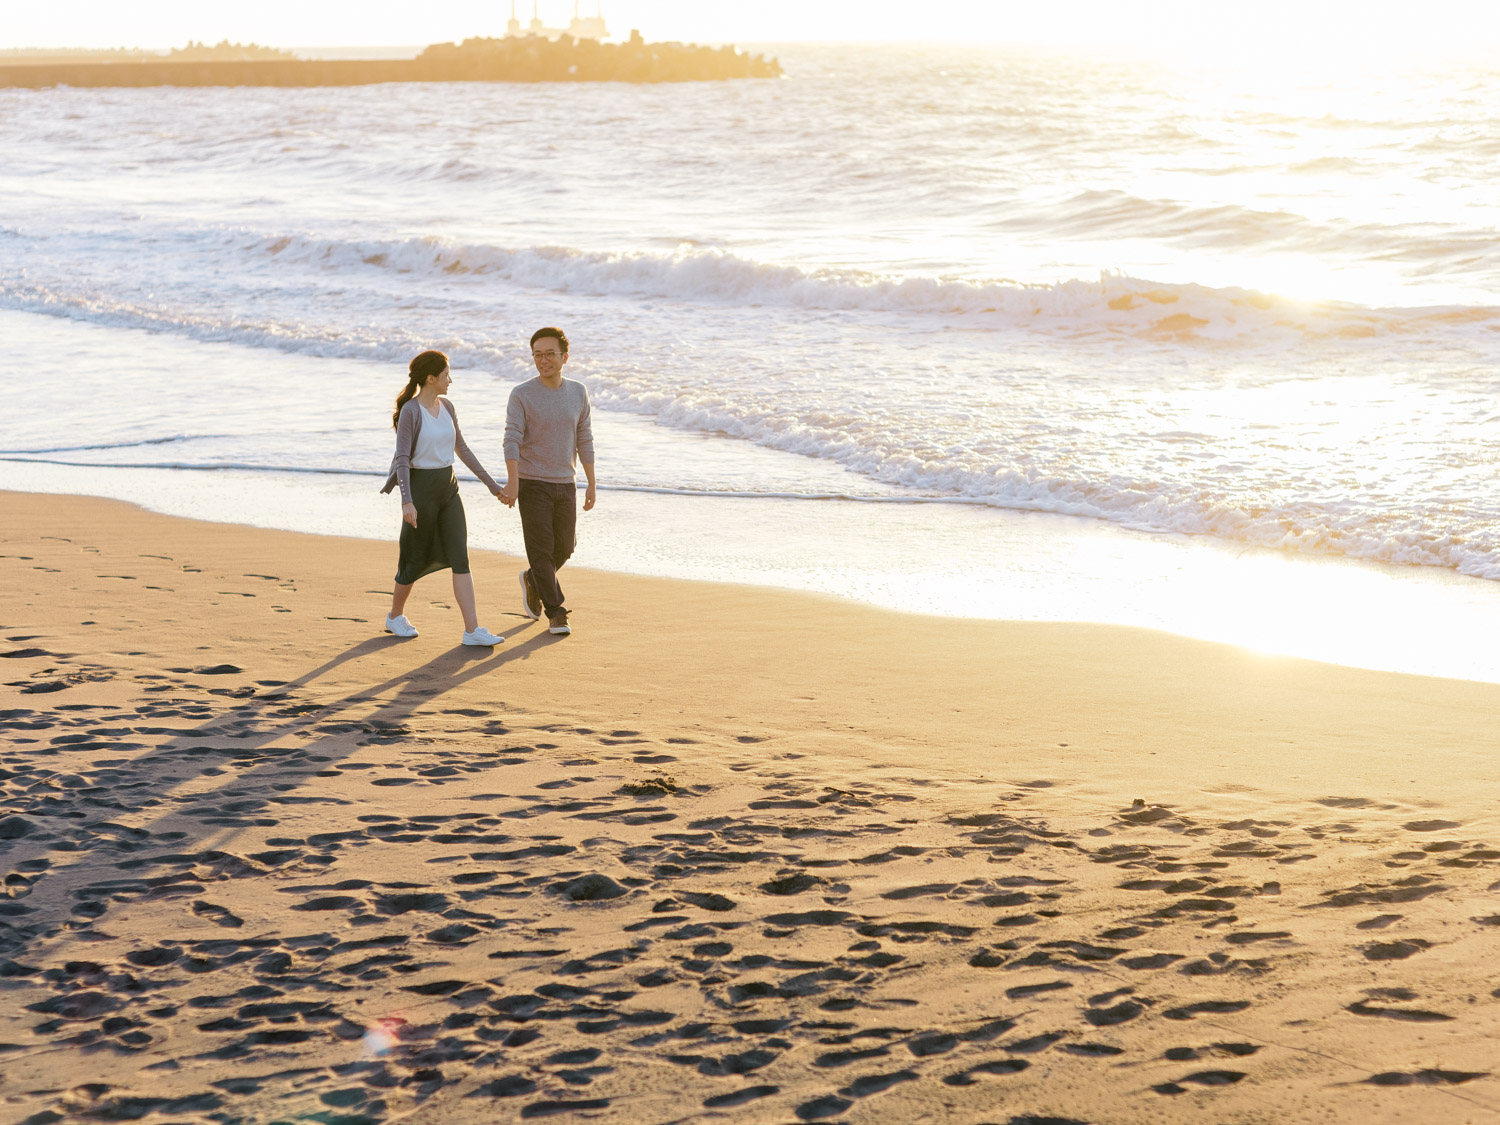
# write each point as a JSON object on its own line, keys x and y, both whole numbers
{"x": 424, "y": 367}
{"x": 408, "y": 393}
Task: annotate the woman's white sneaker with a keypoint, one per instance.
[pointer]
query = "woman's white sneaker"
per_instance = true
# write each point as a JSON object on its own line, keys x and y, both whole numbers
{"x": 400, "y": 626}
{"x": 482, "y": 636}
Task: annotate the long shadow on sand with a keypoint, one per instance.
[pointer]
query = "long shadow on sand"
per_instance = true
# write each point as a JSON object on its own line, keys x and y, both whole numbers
{"x": 237, "y": 745}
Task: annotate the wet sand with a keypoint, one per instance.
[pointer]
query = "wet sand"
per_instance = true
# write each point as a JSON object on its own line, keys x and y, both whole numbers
{"x": 725, "y": 853}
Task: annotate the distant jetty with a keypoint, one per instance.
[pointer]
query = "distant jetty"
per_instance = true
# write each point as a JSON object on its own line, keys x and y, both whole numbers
{"x": 530, "y": 58}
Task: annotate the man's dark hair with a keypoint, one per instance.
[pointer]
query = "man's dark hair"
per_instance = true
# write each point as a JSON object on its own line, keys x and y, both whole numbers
{"x": 556, "y": 333}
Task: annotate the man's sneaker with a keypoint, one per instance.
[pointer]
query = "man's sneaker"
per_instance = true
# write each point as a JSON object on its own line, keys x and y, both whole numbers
{"x": 531, "y": 601}
{"x": 482, "y": 637}
{"x": 400, "y": 626}
{"x": 557, "y": 623}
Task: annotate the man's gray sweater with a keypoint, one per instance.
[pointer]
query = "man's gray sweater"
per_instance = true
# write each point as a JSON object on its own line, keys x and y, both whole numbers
{"x": 548, "y": 430}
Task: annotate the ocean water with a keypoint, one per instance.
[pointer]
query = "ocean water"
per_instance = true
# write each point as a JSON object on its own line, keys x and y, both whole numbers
{"x": 914, "y": 291}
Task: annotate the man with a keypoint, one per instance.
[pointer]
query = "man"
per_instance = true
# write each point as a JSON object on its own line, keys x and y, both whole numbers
{"x": 547, "y": 433}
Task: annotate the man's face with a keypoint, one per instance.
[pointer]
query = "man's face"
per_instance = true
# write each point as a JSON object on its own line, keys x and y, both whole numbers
{"x": 548, "y": 356}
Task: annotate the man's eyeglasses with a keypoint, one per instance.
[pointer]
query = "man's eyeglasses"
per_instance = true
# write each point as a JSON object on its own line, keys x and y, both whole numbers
{"x": 546, "y": 355}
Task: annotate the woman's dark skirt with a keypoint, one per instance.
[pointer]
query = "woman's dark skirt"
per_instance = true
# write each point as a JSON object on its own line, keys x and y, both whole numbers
{"x": 440, "y": 541}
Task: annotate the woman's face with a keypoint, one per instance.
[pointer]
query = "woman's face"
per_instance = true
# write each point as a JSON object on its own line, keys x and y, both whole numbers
{"x": 441, "y": 381}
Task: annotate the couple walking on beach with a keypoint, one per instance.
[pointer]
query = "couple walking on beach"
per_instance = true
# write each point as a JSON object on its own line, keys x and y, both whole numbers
{"x": 547, "y": 434}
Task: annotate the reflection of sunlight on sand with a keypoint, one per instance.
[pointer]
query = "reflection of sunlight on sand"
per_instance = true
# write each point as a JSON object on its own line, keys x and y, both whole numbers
{"x": 1339, "y": 612}
{"x": 380, "y": 1037}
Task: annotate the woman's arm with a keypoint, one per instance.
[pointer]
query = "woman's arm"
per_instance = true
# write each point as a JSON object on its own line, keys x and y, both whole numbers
{"x": 406, "y": 439}
{"x": 466, "y": 455}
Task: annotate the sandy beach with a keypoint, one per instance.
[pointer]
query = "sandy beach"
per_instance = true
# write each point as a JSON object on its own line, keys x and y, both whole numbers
{"x": 726, "y": 853}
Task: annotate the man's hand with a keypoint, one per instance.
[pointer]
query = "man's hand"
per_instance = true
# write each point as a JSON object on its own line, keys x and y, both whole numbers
{"x": 409, "y": 514}
{"x": 588, "y": 498}
{"x": 508, "y": 492}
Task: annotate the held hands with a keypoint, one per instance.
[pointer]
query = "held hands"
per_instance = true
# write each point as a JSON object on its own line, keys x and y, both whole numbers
{"x": 409, "y": 514}
{"x": 511, "y": 489}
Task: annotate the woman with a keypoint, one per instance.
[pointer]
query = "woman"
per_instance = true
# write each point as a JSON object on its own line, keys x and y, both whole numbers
{"x": 434, "y": 534}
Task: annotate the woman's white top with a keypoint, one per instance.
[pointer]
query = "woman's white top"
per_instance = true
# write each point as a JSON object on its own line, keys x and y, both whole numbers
{"x": 435, "y": 440}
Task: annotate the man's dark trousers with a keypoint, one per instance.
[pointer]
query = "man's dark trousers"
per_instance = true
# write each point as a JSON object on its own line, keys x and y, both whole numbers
{"x": 549, "y": 523}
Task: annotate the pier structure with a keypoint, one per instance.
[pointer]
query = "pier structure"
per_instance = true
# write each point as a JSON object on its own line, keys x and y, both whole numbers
{"x": 580, "y": 27}
{"x": 528, "y": 58}
{"x": 589, "y": 27}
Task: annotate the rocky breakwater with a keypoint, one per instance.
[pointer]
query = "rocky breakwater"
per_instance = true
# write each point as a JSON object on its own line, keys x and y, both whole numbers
{"x": 529, "y": 59}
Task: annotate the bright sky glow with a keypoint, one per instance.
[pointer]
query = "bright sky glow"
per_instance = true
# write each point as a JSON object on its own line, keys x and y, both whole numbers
{"x": 1308, "y": 32}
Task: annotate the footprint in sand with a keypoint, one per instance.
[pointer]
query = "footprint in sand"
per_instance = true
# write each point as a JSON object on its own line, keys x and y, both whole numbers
{"x": 740, "y": 1097}
{"x": 1022, "y": 992}
{"x": 1429, "y": 1077}
{"x": 220, "y": 916}
{"x": 1215, "y": 1050}
{"x": 1206, "y": 1008}
{"x": 1201, "y": 1078}
{"x": 553, "y": 1108}
{"x": 591, "y": 888}
{"x": 791, "y": 883}
{"x": 876, "y": 1083}
{"x": 1035, "y": 1043}
{"x": 1248, "y": 937}
{"x": 511, "y": 1086}
{"x": 999, "y": 1067}
{"x": 1395, "y": 950}
{"x": 1093, "y": 1050}
{"x": 1412, "y": 1015}
{"x": 1117, "y": 1014}
{"x": 819, "y": 1108}
{"x": 1147, "y": 961}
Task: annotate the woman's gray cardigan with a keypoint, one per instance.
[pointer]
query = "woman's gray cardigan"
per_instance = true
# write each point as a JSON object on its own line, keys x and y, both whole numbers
{"x": 407, "y": 429}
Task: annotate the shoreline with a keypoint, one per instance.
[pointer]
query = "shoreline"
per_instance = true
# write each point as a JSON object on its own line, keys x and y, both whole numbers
{"x": 1016, "y": 677}
{"x": 953, "y": 560}
{"x": 723, "y": 847}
